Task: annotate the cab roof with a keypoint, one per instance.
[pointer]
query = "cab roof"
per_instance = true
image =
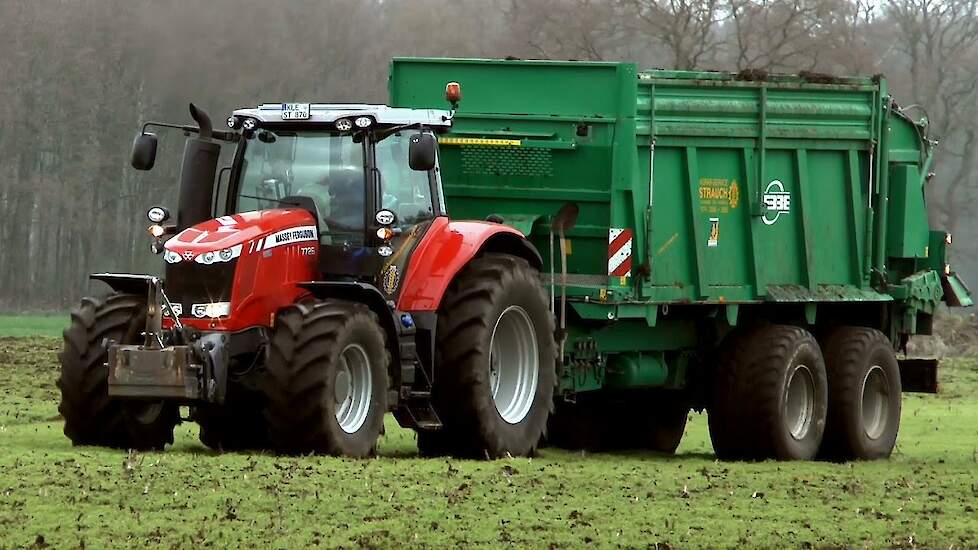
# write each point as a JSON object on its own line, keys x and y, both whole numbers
{"x": 331, "y": 112}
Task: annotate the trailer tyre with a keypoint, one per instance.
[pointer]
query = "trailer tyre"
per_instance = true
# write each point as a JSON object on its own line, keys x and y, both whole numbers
{"x": 864, "y": 395}
{"x": 770, "y": 397}
{"x": 91, "y": 416}
{"x": 496, "y": 359}
{"x": 326, "y": 380}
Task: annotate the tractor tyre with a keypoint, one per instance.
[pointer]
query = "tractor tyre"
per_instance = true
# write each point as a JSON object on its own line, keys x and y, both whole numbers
{"x": 238, "y": 425}
{"x": 771, "y": 397}
{"x": 91, "y": 416}
{"x": 864, "y": 395}
{"x": 495, "y": 359}
{"x": 326, "y": 380}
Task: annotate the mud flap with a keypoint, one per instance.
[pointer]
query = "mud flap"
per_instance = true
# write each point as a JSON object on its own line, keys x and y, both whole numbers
{"x": 956, "y": 293}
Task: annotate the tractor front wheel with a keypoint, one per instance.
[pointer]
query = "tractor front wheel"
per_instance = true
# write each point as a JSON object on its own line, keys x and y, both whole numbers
{"x": 326, "y": 380}
{"x": 495, "y": 361}
{"x": 91, "y": 416}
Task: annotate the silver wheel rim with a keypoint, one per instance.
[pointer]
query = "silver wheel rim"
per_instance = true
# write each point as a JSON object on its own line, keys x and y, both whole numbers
{"x": 514, "y": 364}
{"x": 875, "y": 402}
{"x": 799, "y": 403}
{"x": 352, "y": 388}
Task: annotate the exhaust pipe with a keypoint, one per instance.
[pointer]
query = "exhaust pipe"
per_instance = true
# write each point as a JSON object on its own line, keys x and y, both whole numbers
{"x": 200, "y": 156}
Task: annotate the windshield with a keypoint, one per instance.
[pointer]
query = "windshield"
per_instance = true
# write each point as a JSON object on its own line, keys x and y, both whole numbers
{"x": 279, "y": 168}
{"x": 288, "y": 168}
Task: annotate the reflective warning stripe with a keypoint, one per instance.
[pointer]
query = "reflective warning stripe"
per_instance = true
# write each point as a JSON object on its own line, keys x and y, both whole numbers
{"x": 619, "y": 252}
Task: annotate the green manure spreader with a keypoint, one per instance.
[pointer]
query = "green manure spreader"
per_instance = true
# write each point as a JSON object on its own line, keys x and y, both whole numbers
{"x": 755, "y": 246}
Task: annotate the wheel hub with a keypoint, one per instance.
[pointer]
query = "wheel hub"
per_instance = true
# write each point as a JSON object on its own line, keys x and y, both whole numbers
{"x": 352, "y": 388}
{"x": 799, "y": 403}
{"x": 875, "y": 402}
{"x": 514, "y": 364}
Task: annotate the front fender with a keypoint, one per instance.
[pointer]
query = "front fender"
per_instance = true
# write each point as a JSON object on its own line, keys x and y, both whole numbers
{"x": 445, "y": 249}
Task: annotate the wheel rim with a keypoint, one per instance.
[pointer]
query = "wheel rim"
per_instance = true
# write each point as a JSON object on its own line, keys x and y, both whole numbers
{"x": 352, "y": 388}
{"x": 875, "y": 402}
{"x": 513, "y": 364}
{"x": 799, "y": 403}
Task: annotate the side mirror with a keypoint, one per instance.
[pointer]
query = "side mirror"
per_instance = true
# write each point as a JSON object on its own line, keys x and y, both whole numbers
{"x": 421, "y": 152}
{"x": 144, "y": 152}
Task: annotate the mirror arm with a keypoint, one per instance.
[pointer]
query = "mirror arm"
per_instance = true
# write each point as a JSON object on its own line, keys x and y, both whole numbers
{"x": 230, "y": 137}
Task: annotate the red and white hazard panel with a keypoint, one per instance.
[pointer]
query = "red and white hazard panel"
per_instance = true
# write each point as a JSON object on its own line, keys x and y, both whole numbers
{"x": 619, "y": 252}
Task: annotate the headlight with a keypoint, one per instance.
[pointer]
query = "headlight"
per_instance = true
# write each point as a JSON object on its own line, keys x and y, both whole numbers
{"x": 224, "y": 255}
{"x": 171, "y": 257}
{"x": 213, "y": 310}
{"x": 249, "y": 124}
{"x": 344, "y": 124}
{"x": 363, "y": 121}
{"x": 158, "y": 214}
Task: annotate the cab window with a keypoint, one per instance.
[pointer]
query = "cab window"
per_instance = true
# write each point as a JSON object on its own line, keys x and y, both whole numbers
{"x": 405, "y": 192}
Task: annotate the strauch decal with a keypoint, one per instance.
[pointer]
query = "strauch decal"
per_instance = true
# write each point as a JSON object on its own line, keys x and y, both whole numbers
{"x": 777, "y": 201}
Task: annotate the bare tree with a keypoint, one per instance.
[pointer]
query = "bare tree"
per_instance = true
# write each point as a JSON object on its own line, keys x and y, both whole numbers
{"x": 939, "y": 41}
{"x": 777, "y": 35}
{"x": 687, "y": 28}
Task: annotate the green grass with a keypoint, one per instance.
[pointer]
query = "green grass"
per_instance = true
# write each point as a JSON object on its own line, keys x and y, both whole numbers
{"x": 32, "y": 325}
{"x": 53, "y": 494}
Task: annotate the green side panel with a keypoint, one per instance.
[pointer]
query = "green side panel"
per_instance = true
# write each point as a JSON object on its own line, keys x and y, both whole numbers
{"x": 908, "y": 233}
{"x": 735, "y": 191}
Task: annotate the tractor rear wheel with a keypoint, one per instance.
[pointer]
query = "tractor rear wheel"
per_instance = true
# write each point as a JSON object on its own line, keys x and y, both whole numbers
{"x": 495, "y": 360}
{"x": 91, "y": 416}
{"x": 864, "y": 395}
{"x": 770, "y": 396}
{"x": 326, "y": 380}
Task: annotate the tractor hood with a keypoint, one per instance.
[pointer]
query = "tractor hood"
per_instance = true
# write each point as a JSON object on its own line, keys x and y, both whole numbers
{"x": 225, "y": 238}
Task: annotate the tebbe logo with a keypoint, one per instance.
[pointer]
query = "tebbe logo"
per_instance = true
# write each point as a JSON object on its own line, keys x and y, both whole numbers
{"x": 777, "y": 201}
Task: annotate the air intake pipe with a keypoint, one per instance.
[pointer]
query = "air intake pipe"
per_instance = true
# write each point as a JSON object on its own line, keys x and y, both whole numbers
{"x": 200, "y": 156}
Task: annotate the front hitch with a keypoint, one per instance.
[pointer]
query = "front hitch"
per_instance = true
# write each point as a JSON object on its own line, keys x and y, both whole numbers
{"x": 178, "y": 364}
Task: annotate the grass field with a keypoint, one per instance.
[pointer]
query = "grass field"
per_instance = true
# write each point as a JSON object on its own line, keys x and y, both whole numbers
{"x": 33, "y": 325}
{"x": 54, "y": 495}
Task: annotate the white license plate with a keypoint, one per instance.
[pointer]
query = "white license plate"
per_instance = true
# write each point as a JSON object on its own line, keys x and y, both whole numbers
{"x": 295, "y": 111}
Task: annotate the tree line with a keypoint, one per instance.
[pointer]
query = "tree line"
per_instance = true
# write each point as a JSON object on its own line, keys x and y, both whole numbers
{"x": 78, "y": 77}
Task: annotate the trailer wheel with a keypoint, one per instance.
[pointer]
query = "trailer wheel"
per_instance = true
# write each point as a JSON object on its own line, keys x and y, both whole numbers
{"x": 326, "y": 382}
{"x": 644, "y": 420}
{"x": 91, "y": 416}
{"x": 495, "y": 359}
{"x": 769, "y": 396}
{"x": 578, "y": 426}
{"x": 864, "y": 395}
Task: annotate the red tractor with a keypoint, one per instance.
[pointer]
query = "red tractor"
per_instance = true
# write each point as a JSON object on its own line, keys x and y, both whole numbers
{"x": 314, "y": 285}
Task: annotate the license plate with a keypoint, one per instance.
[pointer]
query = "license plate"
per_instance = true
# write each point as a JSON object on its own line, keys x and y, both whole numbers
{"x": 295, "y": 111}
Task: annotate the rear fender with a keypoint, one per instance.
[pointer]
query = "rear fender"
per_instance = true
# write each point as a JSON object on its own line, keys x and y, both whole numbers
{"x": 446, "y": 248}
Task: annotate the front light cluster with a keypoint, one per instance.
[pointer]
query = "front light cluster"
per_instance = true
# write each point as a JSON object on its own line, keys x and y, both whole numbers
{"x": 207, "y": 258}
{"x": 225, "y": 255}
